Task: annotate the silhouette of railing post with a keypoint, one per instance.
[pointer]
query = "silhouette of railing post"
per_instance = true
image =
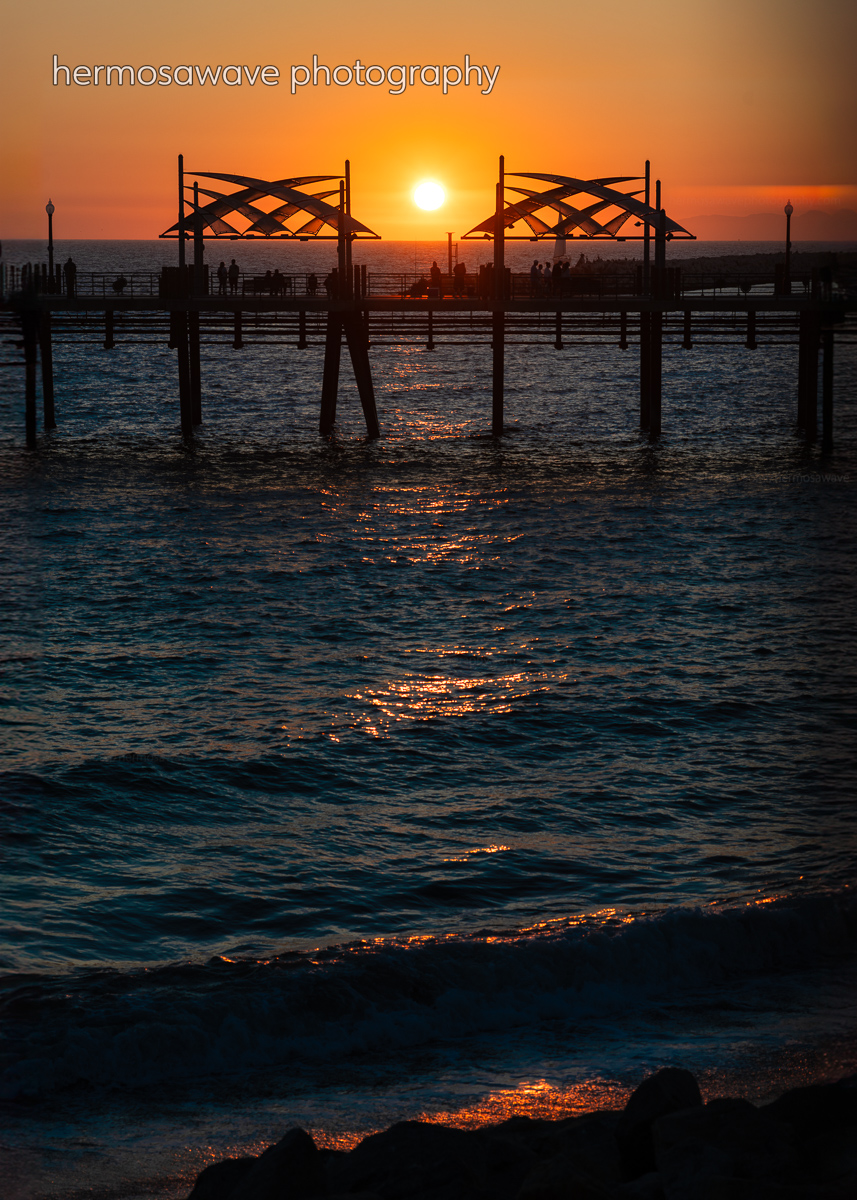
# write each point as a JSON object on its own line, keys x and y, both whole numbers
{"x": 47, "y": 356}
{"x": 498, "y": 318}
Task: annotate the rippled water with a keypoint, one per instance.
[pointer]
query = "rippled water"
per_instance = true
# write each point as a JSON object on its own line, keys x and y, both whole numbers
{"x": 480, "y": 765}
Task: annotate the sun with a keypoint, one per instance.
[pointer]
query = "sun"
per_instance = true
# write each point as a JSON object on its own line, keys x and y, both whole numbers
{"x": 429, "y": 195}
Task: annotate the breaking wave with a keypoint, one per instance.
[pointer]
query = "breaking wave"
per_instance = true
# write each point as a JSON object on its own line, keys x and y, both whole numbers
{"x": 136, "y": 1028}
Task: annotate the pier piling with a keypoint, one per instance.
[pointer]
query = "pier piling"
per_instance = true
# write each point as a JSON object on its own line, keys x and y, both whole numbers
{"x": 47, "y": 356}
{"x": 687, "y": 339}
{"x": 195, "y": 367}
{"x": 355, "y": 334}
{"x": 30, "y": 329}
{"x": 645, "y": 372}
{"x": 751, "y": 330}
{"x": 827, "y": 389}
{"x": 498, "y": 316}
{"x": 185, "y": 402}
{"x": 807, "y": 387}
{"x": 330, "y": 376}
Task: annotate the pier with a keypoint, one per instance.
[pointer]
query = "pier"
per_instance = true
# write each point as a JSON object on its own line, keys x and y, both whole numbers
{"x": 643, "y": 310}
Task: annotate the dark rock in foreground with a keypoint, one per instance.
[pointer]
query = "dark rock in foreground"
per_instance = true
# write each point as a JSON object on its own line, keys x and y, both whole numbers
{"x": 665, "y": 1145}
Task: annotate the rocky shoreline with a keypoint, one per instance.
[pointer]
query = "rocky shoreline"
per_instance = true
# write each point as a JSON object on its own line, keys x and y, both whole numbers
{"x": 664, "y": 1145}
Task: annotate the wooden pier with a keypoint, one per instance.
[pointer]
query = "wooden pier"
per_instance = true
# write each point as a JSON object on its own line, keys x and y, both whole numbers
{"x": 641, "y": 324}
{"x": 642, "y": 309}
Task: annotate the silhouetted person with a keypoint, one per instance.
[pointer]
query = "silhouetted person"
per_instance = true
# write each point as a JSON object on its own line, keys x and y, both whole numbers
{"x": 459, "y": 278}
{"x": 119, "y": 285}
{"x": 232, "y": 275}
{"x": 329, "y": 283}
{"x": 436, "y": 277}
{"x": 311, "y": 284}
{"x": 222, "y": 276}
{"x": 556, "y": 275}
{"x": 70, "y": 278}
{"x": 268, "y": 282}
{"x": 278, "y": 283}
{"x": 535, "y": 277}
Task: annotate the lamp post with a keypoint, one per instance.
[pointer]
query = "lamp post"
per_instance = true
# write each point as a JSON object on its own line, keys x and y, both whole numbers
{"x": 50, "y": 210}
{"x": 787, "y": 279}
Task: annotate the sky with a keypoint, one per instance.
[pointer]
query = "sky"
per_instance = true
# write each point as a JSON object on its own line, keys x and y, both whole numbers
{"x": 739, "y": 104}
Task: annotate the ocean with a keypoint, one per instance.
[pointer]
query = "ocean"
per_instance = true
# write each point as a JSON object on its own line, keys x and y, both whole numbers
{"x": 344, "y": 781}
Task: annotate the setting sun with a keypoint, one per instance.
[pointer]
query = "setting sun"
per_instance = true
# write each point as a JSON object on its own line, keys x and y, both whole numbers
{"x": 429, "y": 195}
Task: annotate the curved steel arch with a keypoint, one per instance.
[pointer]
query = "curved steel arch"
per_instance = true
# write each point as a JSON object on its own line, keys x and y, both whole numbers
{"x": 242, "y": 202}
{"x": 572, "y": 217}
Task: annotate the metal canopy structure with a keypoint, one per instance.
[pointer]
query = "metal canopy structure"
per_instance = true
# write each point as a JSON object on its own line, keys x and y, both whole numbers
{"x": 208, "y": 220}
{"x": 561, "y": 219}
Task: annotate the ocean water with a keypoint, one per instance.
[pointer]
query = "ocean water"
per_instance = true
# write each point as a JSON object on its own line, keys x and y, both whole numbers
{"x": 347, "y": 781}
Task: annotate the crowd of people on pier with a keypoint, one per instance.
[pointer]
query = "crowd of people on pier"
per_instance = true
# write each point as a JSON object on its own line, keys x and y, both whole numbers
{"x": 546, "y": 280}
{"x": 553, "y": 279}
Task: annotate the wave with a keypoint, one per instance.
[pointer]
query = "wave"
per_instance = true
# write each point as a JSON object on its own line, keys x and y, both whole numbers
{"x": 232, "y": 1016}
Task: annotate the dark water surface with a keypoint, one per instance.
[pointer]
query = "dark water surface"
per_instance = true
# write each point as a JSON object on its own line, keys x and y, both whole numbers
{"x": 345, "y": 780}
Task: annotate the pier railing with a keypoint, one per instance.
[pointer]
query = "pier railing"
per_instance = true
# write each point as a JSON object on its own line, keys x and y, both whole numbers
{"x": 591, "y": 284}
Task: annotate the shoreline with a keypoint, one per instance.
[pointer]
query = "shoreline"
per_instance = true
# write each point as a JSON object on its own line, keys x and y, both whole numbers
{"x": 146, "y": 1168}
{"x": 666, "y": 1143}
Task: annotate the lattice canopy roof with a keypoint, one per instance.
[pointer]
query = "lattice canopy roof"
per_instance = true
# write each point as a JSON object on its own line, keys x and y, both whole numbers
{"x": 263, "y": 222}
{"x": 560, "y": 219}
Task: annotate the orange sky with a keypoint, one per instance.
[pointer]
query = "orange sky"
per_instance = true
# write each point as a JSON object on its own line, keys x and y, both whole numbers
{"x": 738, "y": 103}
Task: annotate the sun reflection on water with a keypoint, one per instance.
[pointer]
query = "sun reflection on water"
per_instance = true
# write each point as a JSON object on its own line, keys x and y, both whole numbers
{"x": 432, "y": 697}
{"x": 537, "y": 1098}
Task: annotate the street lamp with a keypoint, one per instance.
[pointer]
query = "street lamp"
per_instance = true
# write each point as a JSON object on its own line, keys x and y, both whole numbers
{"x": 787, "y": 280}
{"x": 50, "y": 210}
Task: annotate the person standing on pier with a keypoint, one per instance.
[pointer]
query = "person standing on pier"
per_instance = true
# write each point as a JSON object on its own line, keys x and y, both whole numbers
{"x": 535, "y": 278}
{"x": 459, "y": 279}
{"x": 222, "y": 275}
{"x": 70, "y": 278}
{"x": 233, "y": 274}
{"x": 436, "y": 278}
{"x": 556, "y": 273}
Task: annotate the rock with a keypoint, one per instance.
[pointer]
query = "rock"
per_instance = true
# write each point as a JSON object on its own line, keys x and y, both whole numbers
{"x": 218, "y": 1181}
{"x": 726, "y": 1138}
{"x": 822, "y": 1120}
{"x": 721, "y": 1188}
{"x": 644, "y": 1187}
{"x": 562, "y": 1178}
{"x": 289, "y": 1170}
{"x": 591, "y": 1141}
{"x": 417, "y": 1159}
{"x": 669, "y": 1090}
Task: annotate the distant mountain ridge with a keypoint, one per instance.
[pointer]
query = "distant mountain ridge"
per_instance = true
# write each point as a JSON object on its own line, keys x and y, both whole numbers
{"x": 813, "y": 225}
